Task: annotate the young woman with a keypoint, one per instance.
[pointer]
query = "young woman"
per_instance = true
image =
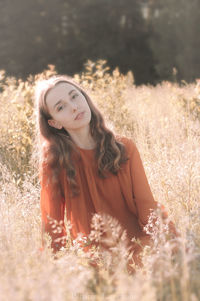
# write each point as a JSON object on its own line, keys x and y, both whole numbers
{"x": 86, "y": 169}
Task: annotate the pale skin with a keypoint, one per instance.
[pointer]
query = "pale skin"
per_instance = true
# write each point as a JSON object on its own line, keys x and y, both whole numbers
{"x": 64, "y": 102}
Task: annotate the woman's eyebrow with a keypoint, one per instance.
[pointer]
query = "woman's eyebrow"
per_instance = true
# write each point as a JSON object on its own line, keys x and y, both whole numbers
{"x": 57, "y": 103}
{"x": 71, "y": 91}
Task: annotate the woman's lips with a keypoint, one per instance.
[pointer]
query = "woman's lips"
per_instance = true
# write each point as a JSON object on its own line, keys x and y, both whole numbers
{"x": 79, "y": 116}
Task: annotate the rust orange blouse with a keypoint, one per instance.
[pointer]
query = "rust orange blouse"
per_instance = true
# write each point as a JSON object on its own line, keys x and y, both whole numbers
{"x": 126, "y": 196}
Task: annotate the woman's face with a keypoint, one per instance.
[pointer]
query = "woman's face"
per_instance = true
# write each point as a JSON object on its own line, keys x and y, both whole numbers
{"x": 68, "y": 107}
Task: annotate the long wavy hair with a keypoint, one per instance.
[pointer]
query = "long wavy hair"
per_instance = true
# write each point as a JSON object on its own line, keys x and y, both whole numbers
{"x": 56, "y": 146}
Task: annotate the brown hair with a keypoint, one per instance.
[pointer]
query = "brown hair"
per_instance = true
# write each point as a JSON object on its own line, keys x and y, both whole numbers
{"x": 56, "y": 145}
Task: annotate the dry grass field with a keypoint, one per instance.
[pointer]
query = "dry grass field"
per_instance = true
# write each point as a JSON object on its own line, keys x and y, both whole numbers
{"x": 164, "y": 122}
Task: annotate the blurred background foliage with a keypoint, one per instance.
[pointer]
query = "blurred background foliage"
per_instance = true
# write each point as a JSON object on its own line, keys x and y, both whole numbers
{"x": 155, "y": 39}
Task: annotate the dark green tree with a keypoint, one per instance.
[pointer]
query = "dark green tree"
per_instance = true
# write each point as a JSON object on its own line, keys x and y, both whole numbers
{"x": 109, "y": 29}
{"x": 176, "y": 40}
{"x": 29, "y": 35}
{"x": 66, "y": 33}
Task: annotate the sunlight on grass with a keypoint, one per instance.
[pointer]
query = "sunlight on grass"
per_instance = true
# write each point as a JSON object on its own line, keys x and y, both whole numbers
{"x": 164, "y": 122}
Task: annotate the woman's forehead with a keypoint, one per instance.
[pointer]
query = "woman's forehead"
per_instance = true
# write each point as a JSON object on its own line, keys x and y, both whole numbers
{"x": 59, "y": 90}
{"x": 64, "y": 86}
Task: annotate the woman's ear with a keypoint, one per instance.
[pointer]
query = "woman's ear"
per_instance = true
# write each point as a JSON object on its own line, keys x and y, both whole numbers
{"x": 55, "y": 124}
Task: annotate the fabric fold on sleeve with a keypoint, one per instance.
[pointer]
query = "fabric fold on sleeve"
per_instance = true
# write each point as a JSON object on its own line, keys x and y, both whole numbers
{"x": 52, "y": 205}
{"x": 142, "y": 194}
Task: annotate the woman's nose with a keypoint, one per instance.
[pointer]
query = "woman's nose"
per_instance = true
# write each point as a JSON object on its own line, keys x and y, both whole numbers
{"x": 74, "y": 107}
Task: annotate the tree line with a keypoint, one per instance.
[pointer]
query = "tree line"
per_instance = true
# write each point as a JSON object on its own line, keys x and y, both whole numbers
{"x": 157, "y": 40}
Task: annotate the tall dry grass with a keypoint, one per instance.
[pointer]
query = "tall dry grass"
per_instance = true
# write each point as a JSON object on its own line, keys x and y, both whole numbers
{"x": 164, "y": 123}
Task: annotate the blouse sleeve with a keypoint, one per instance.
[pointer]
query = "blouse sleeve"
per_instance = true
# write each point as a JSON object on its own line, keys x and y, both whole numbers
{"x": 142, "y": 194}
{"x": 52, "y": 207}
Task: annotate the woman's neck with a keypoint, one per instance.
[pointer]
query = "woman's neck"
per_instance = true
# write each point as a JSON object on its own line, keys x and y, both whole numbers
{"x": 82, "y": 138}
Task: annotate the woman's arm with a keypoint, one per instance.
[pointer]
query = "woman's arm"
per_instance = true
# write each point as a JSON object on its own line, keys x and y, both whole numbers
{"x": 143, "y": 196}
{"x": 52, "y": 207}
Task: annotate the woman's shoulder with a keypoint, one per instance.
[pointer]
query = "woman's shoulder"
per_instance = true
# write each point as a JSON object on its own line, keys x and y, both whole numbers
{"x": 127, "y": 142}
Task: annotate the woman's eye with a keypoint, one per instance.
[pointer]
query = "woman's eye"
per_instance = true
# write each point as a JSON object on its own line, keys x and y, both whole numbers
{"x": 60, "y": 108}
{"x": 74, "y": 96}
